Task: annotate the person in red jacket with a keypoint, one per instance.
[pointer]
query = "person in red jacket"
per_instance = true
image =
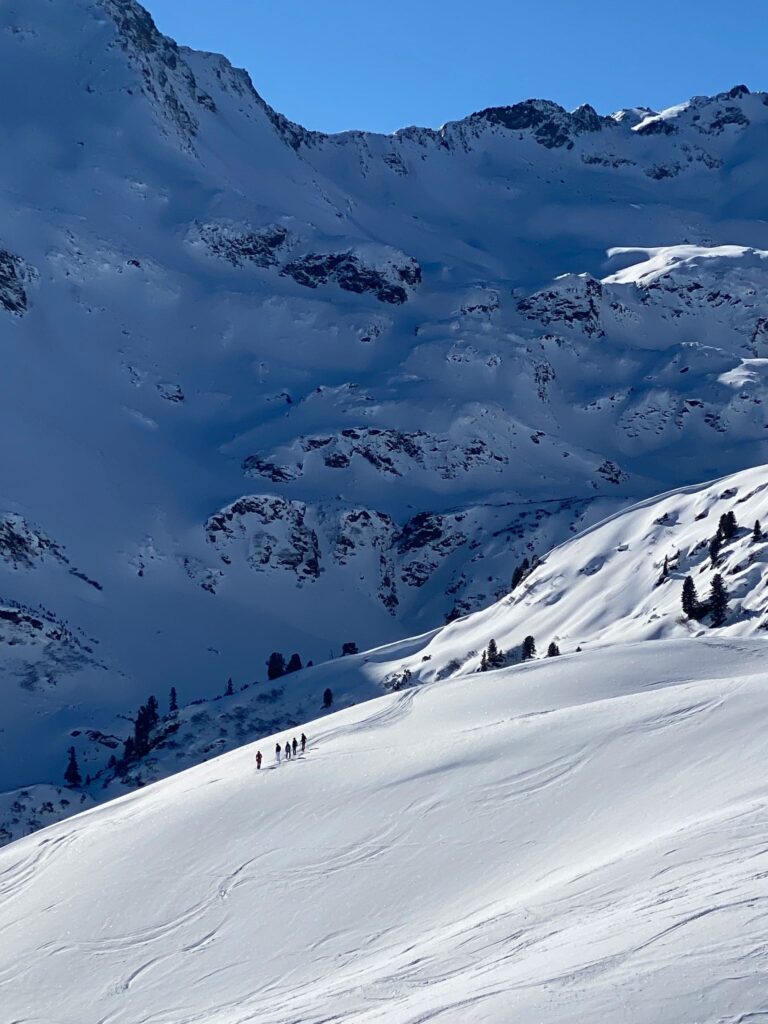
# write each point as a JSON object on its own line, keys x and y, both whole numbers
{"x": 258, "y": 759}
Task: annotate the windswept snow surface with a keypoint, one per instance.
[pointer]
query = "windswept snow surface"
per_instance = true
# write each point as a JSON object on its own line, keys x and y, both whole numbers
{"x": 571, "y": 840}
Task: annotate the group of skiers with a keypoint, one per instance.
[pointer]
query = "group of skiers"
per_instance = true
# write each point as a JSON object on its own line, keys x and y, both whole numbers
{"x": 291, "y": 750}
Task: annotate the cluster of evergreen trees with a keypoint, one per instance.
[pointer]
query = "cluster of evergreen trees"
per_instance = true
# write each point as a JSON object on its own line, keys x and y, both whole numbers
{"x": 726, "y": 530}
{"x": 716, "y": 606}
{"x": 146, "y": 719}
{"x": 277, "y": 665}
{"x": 493, "y": 657}
{"x": 140, "y": 742}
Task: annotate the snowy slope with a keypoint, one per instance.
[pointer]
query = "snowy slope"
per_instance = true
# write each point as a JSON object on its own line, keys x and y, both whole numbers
{"x": 452, "y": 853}
{"x": 610, "y": 585}
{"x": 617, "y": 582}
{"x": 271, "y": 389}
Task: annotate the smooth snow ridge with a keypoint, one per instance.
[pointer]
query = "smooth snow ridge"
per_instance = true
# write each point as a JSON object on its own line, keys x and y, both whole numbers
{"x": 579, "y": 839}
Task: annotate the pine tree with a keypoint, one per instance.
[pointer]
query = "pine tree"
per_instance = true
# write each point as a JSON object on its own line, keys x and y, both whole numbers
{"x": 553, "y": 650}
{"x": 714, "y": 548}
{"x": 141, "y": 731}
{"x": 718, "y": 601}
{"x": 521, "y": 571}
{"x": 757, "y": 532}
{"x": 664, "y": 572}
{"x": 294, "y": 664}
{"x": 146, "y": 719}
{"x": 72, "y": 773}
{"x": 275, "y": 665}
{"x": 528, "y": 649}
{"x": 727, "y": 526}
{"x": 492, "y": 657}
{"x": 230, "y": 690}
{"x": 173, "y": 704}
{"x": 153, "y": 712}
{"x": 327, "y": 698}
{"x": 690, "y": 598}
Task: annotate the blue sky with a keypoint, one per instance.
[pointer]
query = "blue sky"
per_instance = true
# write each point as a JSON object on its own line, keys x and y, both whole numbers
{"x": 380, "y": 66}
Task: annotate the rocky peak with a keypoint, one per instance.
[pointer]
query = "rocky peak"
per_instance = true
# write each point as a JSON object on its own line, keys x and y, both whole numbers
{"x": 551, "y": 125}
{"x": 166, "y": 79}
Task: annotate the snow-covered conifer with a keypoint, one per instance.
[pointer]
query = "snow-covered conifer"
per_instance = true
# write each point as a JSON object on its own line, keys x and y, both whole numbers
{"x": 72, "y": 775}
{"x": 718, "y": 601}
{"x": 528, "y": 649}
{"x": 690, "y": 599}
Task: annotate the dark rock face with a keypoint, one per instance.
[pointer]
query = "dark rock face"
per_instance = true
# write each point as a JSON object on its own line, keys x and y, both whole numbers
{"x": 240, "y": 247}
{"x": 170, "y": 392}
{"x": 276, "y": 532}
{"x": 612, "y": 473}
{"x": 55, "y": 650}
{"x": 577, "y": 303}
{"x": 391, "y": 452}
{"x": 255, "y": 466}
{"x": 364, "y": 531}
{"x": 349, "y": 272}
{"x": 429, "y": 536}
{"x": 23, "y": 547}
{"x": 658, "y": 126}
{"x": 166, "y": 79}
{"x": 728, "y": 115}
{"x": 550, "y": 124}
{"x": 660, "y": 171}
{"x": 13, "y": 296}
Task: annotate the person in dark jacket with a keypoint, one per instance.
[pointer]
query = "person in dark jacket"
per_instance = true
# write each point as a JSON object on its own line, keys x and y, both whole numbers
{"x": 294, "y": 746}
{"x": 287, "y": 750}
{"x": 303, "y": 742}
{"x": 278, "y": 748}
{"x": 258, "y": 759}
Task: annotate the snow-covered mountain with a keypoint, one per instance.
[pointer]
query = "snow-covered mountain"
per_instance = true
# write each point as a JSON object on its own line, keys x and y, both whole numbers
{"x": 578, "y": 839}
{"x": 267, "y": 389}
{"x": 621, "y": 581}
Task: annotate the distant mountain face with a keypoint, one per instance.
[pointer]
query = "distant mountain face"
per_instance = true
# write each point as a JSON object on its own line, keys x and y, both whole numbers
{"x": 267, "y": 389}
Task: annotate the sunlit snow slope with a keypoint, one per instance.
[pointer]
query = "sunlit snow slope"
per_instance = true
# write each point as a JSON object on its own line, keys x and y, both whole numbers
{"x": 610, "y": 585}
{"x": 577, "y": 839}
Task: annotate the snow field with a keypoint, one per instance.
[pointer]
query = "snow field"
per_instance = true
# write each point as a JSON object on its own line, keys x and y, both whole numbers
{"x": 576, "y": 839}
